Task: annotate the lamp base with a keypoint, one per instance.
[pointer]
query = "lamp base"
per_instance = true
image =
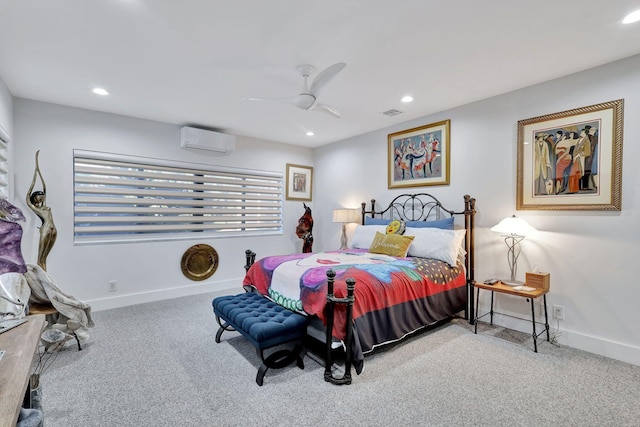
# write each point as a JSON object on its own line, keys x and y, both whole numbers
{"x": 512, "y": 282}
{"x": 343, "y": 238}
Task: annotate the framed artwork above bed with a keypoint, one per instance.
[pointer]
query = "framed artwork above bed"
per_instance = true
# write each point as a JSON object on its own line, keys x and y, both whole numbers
{"x": 420, "y": 156}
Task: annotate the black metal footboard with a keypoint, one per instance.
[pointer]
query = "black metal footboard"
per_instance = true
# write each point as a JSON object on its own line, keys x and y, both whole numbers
{"x": 330, "y": 308}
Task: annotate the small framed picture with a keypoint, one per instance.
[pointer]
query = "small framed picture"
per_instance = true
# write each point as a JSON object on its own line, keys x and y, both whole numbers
{"x": 299, "y": 182}
{"x": 571, "y": 160}
{"x": 420, "y": 156}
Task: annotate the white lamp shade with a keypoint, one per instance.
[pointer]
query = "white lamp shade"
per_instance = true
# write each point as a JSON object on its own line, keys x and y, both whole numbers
{"x": 346, "y": 215}
{"x": 513, "y": 226}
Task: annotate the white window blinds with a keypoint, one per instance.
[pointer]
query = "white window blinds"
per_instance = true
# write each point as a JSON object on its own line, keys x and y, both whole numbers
{"x": 118, "y": 198}
{"x": 4, "y": 170}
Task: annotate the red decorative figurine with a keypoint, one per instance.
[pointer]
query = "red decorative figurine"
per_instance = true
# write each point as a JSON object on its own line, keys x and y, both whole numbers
{"x": 304, "y": 229}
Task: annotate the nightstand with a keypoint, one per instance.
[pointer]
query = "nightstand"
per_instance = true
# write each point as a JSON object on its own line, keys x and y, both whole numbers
{"x": 501, "y": 288}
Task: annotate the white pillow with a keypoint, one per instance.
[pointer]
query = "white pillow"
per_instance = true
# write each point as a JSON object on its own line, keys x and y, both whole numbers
{"x": 364, "y": 234}
{"x": 444, "y": 245}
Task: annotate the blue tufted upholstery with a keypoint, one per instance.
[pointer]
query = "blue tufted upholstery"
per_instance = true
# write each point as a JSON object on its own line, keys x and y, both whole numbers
{"x": 265, "y": 324}
{"x": 259, "y": 320}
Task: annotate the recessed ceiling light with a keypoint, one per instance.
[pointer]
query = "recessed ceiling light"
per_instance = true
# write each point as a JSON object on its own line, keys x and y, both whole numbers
{"x": 632, "y": 17}
{"x": 310, "y": 133}
{"x": 100, "y": 91}
{"x": 407, "y": 98}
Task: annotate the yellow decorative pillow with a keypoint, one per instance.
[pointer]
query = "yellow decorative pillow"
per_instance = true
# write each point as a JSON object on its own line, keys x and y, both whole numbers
{"x": 391, "y": 244}
{"x": 396, "y": 227}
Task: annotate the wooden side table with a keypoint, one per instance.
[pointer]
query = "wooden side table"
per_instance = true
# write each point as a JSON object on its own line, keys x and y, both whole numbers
{"x": 529, "y": 295}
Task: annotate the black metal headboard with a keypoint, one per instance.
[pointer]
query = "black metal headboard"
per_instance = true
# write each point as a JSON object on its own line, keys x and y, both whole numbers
{"x": 410, "y": 207}
{"x": 425, "y": 207}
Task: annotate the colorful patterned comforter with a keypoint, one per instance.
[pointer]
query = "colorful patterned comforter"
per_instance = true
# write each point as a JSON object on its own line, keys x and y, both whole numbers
{"x": 393, "y": 296}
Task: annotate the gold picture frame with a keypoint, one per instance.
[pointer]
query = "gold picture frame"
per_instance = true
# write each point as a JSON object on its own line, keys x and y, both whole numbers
{"x": 420, "y": 156}
{"x": 299, "y": 182}
{"x": 571, "y": 160}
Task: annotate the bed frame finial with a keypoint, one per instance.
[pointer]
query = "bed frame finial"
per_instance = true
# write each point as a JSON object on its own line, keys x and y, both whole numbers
{"x": 250, "y": 259}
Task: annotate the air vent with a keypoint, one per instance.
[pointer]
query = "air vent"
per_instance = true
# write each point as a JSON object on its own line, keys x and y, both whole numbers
{"x": 392, "y": 112}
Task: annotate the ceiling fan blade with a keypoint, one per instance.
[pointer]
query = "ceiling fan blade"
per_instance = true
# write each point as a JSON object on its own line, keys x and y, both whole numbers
{"x": 325, "y": 108}
{"x": 289, "y": 100}
{"x": 304, "y": 101}
{"x": 325, "y": 76}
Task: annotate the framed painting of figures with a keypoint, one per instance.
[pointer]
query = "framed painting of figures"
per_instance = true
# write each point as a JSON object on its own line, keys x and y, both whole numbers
{"x": 299, "y": 181}
{"x": 420, "y": 156}
{"x": 571, "y": 160}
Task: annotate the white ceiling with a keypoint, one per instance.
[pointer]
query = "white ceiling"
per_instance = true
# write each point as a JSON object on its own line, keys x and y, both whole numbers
{"x": 193, "y": 62}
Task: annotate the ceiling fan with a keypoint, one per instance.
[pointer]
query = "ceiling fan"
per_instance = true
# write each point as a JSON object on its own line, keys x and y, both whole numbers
{"x": 307, "y": 99}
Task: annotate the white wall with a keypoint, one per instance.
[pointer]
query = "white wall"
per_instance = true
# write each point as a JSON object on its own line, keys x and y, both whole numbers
{"x": 6, "y": 110}
{"x": 144, "y": 271}
{"x": 591, "y": 255}
{"x": 6, "y": 134}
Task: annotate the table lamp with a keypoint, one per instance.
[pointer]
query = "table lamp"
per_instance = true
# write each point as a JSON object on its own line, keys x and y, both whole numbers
{"x": 345, "y": 216}
{"x": 513, "y": 229}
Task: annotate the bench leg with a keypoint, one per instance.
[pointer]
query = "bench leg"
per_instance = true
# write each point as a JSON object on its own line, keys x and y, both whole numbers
{"x": 262, "y": 370}
{"x": 224, "y": 326}
{"x": 279, "y": 359}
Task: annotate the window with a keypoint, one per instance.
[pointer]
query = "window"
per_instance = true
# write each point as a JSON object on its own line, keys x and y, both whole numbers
{"x": 124, "y": 198}
{"x": 4, "y": 169}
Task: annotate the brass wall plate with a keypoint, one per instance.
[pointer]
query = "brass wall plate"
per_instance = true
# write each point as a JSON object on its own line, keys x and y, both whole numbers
{"x": 199, "y": 262}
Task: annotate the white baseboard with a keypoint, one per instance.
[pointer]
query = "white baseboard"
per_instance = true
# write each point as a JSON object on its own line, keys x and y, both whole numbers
{"x": 597, "y": 345}
{"x": 601, "y": 346}
{"x": 124, "y": 300}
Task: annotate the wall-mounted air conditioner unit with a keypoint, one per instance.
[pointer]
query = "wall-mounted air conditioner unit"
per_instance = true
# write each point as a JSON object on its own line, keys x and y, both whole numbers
{"x": 206, "y": 140}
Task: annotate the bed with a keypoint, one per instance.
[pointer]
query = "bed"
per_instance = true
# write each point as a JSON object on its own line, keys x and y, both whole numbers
{"x": 411, "y": 265}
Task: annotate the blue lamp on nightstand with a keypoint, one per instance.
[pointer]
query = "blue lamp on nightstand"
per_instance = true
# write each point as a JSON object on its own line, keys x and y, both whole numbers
{"x": 513, "y": 229}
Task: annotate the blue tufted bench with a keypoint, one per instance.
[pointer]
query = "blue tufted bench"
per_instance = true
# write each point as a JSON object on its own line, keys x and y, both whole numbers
{"x": 263, "y": 323}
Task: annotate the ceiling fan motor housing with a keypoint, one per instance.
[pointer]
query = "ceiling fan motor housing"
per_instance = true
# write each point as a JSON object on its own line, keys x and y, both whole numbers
{"x": 304, "y": 101}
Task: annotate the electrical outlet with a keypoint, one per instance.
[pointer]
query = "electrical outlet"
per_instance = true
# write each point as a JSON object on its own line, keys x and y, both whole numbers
{"x": 558, "y": 312}
{"x": 113, "y": 286}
